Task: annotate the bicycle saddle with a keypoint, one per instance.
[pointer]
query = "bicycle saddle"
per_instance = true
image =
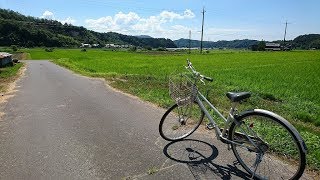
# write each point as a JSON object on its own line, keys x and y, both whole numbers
{"x": 238, "y": 96}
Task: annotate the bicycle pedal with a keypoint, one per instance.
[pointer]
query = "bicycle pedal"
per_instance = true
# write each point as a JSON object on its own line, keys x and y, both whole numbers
{"x": 210, "y": 126}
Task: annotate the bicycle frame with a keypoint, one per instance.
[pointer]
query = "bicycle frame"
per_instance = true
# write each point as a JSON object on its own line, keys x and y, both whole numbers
{"x": 227, "y": 120}
{"x": 230, "y": 119}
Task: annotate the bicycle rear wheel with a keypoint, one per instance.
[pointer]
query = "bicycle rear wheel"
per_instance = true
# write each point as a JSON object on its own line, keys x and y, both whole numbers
{"x": 180, "y": 121}
{"x": 268, "y": 146}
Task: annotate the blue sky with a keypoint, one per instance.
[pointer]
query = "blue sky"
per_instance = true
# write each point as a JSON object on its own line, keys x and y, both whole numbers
{"x": 224, "y": 19}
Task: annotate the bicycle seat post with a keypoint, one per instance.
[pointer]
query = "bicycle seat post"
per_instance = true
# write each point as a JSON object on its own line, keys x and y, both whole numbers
{"x": 233, "y": 108}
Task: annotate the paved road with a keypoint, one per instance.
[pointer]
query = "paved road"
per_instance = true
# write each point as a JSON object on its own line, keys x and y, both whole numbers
{"x": 64, "y": 126}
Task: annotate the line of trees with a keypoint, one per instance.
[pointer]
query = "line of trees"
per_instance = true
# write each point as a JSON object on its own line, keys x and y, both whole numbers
{"x": 241, "y": 44}
{"x": 308, "y": 41}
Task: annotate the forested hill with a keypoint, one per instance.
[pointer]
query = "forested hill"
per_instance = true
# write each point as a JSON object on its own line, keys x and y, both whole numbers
{"x": 307, "y": 41}
{"x": 27, "y": 31}
{"x": 246, "y": 43}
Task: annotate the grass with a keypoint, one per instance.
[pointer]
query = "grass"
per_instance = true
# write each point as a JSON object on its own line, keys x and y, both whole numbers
{"x": 284, "y": 82}
{"x": 152, "y": 170}
{"x": 8, "y": 75}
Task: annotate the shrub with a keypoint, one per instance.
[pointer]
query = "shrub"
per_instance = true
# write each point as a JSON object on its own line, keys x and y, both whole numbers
{"x": 148, "y": 48}
{"x": 161, "y": 49}
{"x": 133, "y": 49}
{"x": 14, "y": 48}
{"x": 49, "y": 49}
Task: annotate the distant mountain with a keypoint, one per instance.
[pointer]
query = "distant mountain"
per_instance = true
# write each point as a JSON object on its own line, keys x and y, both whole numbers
{"x": 27, "y": 31}
{"x": 143, "y": 36}
{"x": 246, "y": 43}
{"x": 307, "y": 41}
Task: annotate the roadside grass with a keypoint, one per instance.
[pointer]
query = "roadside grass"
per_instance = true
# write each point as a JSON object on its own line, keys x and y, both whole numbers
{"x": 8, "y": 75}
{"x": 286, "y": 83}
{"x": 152, "y": 170}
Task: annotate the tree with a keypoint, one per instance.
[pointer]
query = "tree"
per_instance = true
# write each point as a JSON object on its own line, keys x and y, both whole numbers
{"x": 306, "y": 41}
{"x": 315, "y": 44}
{"x": 262, "y": 46}
{"x": 14, "y": 48}
{"x": 133, "y": 49}
{"x": 148, "y": 47}
{"x": 254, "y": 47}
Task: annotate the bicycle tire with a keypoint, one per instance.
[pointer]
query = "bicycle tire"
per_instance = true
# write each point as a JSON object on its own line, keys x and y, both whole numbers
{"x": 282, "y": 148}
{"x": 171, "y": 128}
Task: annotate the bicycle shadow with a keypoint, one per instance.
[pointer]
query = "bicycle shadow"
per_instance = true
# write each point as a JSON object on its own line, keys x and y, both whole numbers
{"x": 198, "y": 156}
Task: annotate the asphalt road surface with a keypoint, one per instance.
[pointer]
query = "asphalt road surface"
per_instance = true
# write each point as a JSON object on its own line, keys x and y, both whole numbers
{"x": 60, "y": 125}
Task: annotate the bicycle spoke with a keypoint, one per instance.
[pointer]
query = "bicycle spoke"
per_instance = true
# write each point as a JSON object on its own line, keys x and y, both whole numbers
{"x": 271, "y": 150}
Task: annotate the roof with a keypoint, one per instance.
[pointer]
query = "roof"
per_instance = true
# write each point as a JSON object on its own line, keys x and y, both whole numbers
{"x": 273, "y": 44}
{"x": 4, "y": 54}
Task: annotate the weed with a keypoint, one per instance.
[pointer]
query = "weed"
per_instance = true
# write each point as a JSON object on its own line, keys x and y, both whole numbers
{"x": 152, "y": 170}
{"x": 175, "y": 127}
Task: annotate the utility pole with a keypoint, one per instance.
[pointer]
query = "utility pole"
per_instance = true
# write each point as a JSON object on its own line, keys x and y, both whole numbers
{"x": 189, "y": 41}
{"x": 203, "y": 11}
{"x": 285, "y": 33}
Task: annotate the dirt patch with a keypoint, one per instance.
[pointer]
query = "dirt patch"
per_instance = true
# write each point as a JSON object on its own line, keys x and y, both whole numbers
{"x": 21, "y": 56}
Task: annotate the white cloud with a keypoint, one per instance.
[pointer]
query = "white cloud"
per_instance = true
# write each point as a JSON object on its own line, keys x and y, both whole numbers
{"x": 50, "y": 15}
{"x": 170, "y": 15}
{"x": 102, "y": 24}
{"x": 152, "y": 24}
{"x": 68, "y": 20}
{"x": 122, "y": 18}
{"x": 47, "y": 15}
{"x": 131, "y": 23}
{"x": 116, "y": 23}
{"x": 187, "y": 14}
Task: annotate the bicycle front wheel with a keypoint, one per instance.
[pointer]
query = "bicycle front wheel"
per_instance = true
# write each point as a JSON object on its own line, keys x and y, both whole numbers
{"x": 268, "y": 146}
{"x": 180, "y": 121}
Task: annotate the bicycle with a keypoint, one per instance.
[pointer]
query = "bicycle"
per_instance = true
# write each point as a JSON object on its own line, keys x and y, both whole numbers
{"x": 265, "y": 144}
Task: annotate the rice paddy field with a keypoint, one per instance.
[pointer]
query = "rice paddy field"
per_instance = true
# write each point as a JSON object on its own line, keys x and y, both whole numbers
{"x": 287, "y": 83}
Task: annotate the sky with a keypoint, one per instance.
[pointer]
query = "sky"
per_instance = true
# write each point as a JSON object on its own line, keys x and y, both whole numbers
{"x": 174, "y": 19}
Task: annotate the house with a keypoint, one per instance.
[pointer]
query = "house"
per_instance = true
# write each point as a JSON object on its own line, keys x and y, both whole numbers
{"x": 113, "y": 46}
{"x": 118, "y": 46}
{"x": 273, "y": 47}
{"x": 85, "y": 45}
{"x": 95, "y": 45}
{"x": 183, "y": 48}
{"x": 5, "y": 59}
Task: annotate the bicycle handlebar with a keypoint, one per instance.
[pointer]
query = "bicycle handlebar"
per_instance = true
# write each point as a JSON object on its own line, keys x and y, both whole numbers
{"x": 208, "y": 78}
{"x": 189, "y": 66}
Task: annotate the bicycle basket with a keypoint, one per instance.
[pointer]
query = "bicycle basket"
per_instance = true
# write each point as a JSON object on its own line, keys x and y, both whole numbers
{"x": 182, "y": 89}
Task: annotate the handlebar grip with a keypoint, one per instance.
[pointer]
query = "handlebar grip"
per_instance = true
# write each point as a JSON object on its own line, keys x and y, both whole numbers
{"x": 208, "y": 78}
